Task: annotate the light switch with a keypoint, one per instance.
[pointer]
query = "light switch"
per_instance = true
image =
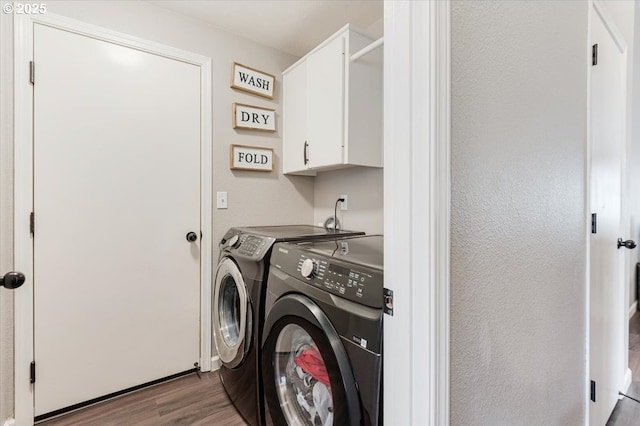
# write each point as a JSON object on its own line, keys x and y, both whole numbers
{"x": 221, "y": 200}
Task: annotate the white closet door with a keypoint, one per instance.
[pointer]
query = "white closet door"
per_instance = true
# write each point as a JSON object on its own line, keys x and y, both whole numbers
{"x": 608, "y": 311}
{"x": 116, "y": 190}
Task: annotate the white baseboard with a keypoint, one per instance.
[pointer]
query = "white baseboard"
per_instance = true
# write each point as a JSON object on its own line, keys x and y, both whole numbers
{"x": 10, "y": 422}
{"x": 633, "y": 309}
{"x": 215, "y": 363}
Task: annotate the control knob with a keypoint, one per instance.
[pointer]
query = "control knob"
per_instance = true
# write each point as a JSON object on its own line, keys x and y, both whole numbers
{"x": 309, "y": 268}
{"x": 233, "y": 241}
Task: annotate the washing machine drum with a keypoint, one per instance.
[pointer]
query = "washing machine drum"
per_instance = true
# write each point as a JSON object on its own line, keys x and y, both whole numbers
{"x": 232, "y": 314}
{"x": 308, "y": 379}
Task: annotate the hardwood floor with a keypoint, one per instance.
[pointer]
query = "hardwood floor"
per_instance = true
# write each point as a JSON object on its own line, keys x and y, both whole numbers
{"x": 192, "y": 401}
{"x": 627, "y": 411}
{"x": 183, "y": 401}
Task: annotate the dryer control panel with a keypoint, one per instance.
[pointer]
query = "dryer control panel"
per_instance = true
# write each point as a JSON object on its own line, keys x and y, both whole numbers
{"x": 249, "y": 246}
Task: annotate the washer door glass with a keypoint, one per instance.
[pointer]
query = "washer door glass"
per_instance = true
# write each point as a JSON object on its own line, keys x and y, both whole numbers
{"x": 302, "y": 382}
{"x": 230, "y": 313}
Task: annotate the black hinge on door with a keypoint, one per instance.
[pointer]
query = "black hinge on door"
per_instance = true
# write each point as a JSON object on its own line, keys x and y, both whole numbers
{"x": 594, "y": 223}
{"x": 32, "y": 224}
{"x": 32, "y": 72}
{"x": 32, "y": 370}
{"x": 388, "y": 301}
{"x": 594, "y": 54}
{"x": 593, "y": 391}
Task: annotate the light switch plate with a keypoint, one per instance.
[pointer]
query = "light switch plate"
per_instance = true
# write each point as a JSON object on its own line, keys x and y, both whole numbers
{"x": 221, "y": 199}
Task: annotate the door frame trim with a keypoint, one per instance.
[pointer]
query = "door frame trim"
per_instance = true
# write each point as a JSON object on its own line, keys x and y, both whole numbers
{"x": 23, "y": 187}
{"x": 417, "y": 191}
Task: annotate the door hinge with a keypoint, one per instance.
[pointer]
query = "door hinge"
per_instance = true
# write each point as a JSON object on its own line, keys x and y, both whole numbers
{"x": 32, "y": 224}
{"x": 594, "y": 54}
{"x": 388, "y": 301}
{"x": 32, "y": 372}
{"x": 593, "y": 391}
{"x": 594, "y": 223}
{"x": 32, "y": 73}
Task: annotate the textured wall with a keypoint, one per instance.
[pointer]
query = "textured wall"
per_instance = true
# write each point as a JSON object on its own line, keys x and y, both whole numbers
{"x": 254, "y": 198}
{"x": 518, "y": 261}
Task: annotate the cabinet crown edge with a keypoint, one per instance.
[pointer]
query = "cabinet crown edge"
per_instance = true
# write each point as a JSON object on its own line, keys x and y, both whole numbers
{"x": 348, "y": 28}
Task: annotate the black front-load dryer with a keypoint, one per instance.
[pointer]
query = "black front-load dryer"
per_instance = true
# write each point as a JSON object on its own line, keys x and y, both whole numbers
{"x": 322, "y": 337}
{"x": 238, "y": 307}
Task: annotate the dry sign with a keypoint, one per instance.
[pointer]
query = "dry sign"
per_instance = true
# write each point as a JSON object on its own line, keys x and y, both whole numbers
{"x": 255, "y": 118}
{"x": 251, "y": 158}
{"x": 252, "y": 80}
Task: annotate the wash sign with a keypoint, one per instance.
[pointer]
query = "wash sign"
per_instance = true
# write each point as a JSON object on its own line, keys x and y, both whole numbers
{"x": 251, "y": 158}
{"x": 252, "y": 80}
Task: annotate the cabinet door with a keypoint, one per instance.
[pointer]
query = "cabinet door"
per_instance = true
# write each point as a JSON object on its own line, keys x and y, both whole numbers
{"x": 325, "y": 103}
{"x": 294, "y": 113}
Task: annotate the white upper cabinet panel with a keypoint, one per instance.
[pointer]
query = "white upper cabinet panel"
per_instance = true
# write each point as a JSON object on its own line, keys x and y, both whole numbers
{"x": 325, "y": 104}
{"x": 295, "y": 151}
{"x": 332, "y": 113}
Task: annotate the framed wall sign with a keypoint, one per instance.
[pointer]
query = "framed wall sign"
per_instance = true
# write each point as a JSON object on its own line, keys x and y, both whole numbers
{"x": 251, "y": 158}
{"x": 254, "y": 118}
{"x": 252, "y": 80}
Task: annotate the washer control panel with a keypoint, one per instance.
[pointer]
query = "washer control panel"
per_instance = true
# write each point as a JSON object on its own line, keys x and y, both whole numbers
{"x": 357, "y": 284}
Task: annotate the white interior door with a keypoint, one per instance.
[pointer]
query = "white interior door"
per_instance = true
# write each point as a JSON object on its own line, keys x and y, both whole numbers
{"x": 116, "y": 190}
{"x": 607, "y": 307}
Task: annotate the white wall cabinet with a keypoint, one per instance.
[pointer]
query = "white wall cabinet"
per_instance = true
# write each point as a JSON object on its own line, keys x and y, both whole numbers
{"x": 332, "y": 107}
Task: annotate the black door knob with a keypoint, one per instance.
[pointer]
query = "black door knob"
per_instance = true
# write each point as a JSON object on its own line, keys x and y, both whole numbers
{"x": 192, "y": 236}
{"x": 630, "y": 244}
{"x": 12, "y": 280}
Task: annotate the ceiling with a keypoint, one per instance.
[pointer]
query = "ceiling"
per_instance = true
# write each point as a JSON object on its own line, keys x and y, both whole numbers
{"x": 292, "y": 26}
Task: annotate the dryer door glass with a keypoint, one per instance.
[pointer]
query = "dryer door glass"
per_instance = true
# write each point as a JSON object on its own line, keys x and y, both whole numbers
{"x": 231, "y": 315}
{"x": 229, "y": 311}
{"x": 302, "y": 382}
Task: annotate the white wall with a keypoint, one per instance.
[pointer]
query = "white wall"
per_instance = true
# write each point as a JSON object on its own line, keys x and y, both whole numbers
{"x": 363, "y": 186}
{"x": 518, "y": 223}
{"x": 254, "y": 198}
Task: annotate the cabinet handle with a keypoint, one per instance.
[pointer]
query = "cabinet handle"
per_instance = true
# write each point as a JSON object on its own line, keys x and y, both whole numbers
{"x": 306, "y": 158}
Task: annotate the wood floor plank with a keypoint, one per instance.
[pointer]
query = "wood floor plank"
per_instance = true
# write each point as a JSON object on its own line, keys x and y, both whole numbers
{"x": 185, "y": 401}
{"x": 201, "y": 402}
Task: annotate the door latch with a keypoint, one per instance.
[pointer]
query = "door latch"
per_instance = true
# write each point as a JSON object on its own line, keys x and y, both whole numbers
{"x": 12, "y": 280}
{"x": 630, "y": 244}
